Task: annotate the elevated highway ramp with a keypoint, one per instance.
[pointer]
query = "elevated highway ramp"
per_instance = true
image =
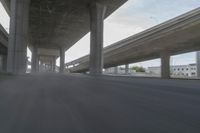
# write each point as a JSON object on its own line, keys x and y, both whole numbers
{"x": 176, "y": 36}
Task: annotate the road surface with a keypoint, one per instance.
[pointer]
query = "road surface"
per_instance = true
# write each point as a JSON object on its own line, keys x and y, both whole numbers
{"x": 53, "y": 103}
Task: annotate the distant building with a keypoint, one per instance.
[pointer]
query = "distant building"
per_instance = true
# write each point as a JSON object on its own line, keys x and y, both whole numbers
{"x": 118, "y": 70}
{"x": 154, "y": 70}
{"x": 178, "y": 70}
{"x": 185, "y": 70}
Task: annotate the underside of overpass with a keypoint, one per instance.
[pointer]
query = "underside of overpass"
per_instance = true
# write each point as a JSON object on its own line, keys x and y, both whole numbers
{"x": 51, "y": 27}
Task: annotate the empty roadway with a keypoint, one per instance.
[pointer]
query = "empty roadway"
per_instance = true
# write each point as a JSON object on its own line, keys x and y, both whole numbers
{"x": 52, "y": 103}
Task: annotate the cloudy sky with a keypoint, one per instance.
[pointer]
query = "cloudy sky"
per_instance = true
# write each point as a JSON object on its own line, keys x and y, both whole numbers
{"x": 4, "y": 18}
{"x": 133, "y": 17}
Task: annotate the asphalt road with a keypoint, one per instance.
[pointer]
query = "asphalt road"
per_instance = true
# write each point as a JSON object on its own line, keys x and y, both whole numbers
{"x": 83, "y": 104}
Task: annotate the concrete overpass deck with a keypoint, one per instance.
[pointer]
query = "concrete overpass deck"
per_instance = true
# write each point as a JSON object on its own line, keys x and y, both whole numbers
{"x": 86, "y": 104}
{"x": 175, "y": 36}
{"x": 50, "y": 25}
{"x": 54, "y": 24}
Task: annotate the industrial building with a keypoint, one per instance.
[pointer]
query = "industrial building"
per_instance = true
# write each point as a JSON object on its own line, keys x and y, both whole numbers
{"x": 177, "y": 71}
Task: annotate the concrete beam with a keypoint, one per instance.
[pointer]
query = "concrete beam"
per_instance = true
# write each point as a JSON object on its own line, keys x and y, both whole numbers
{"x": 165, "y": 65}
{"x": 48, "y": 52}
{"x": 18, "y": 39}
{"x": 97, "y": 12}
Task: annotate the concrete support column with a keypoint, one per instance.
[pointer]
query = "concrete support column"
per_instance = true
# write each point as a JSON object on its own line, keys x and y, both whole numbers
{"x": 18, "y": 37}
{"x": 41, "y": 63}
{"x": 34, "y": 61}
{"x": 165, "y": 65}
{"x": 51, "y": 65}
{"x": 127, "y": 69}
{"x": 38, "y": 64}
{"x": 45, "y": 66}
{"x": 97, "y": 12}
{"x": 198, "y": 63}
{"x": 116, "y": 70}
{"x": 54, "y": 64}
{"x": 62, "y": 60}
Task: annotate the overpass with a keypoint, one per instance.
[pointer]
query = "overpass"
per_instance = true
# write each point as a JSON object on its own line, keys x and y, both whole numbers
{"x": 176, "y": 36}
{"x": 51, "y": 27}
{"x": 3, "y": 48}
{"x": 76, "y": 103}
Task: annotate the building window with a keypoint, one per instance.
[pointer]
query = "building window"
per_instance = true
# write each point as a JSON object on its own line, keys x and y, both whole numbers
{"x": 193, "y": 73}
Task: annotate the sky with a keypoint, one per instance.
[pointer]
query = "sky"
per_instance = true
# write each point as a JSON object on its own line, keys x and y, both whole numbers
{"x": 131, "y": 18}
{"x": 4, "y": 18}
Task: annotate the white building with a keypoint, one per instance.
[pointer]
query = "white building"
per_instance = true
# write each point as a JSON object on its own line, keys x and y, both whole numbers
{"x": 178, "y": 70}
